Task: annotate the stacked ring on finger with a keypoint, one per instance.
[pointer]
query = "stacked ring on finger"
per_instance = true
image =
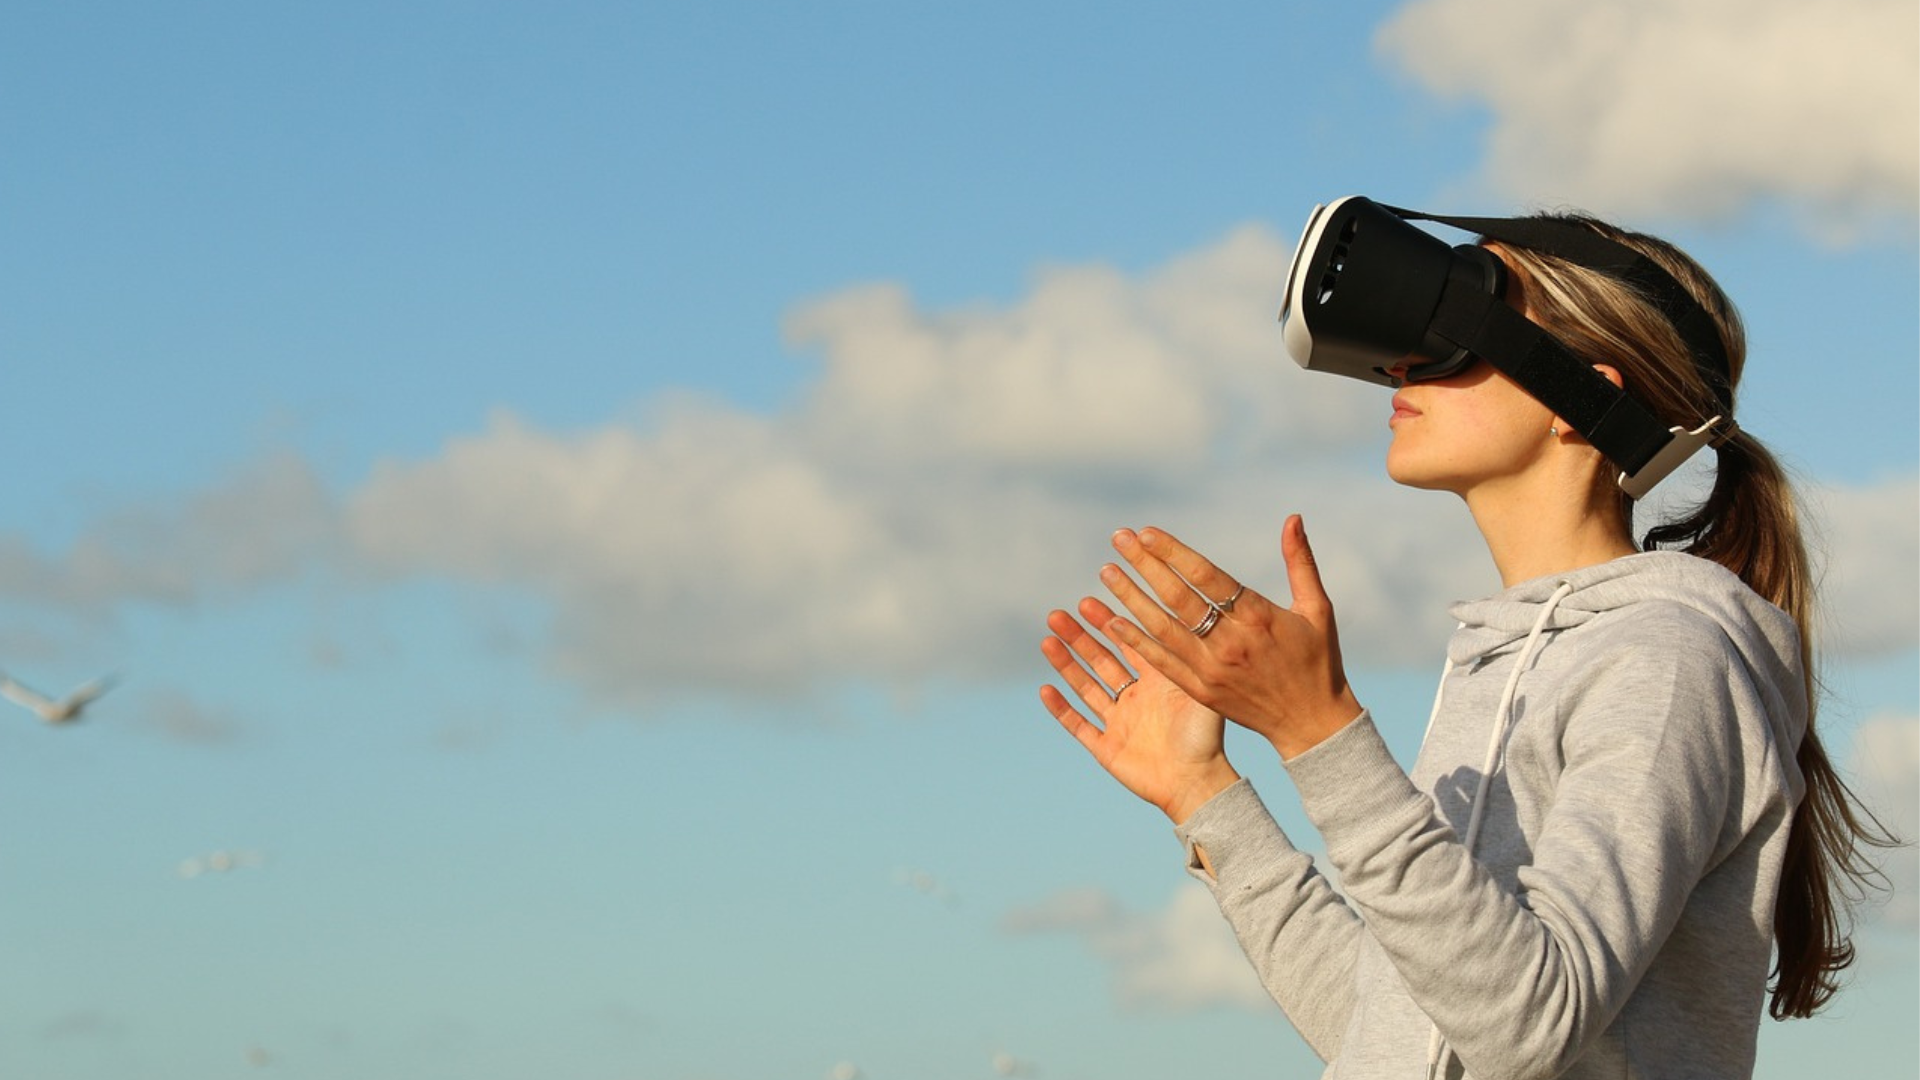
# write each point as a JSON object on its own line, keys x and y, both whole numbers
{"x": 1207, "y": 622}
{"x": 1226, "y": 605}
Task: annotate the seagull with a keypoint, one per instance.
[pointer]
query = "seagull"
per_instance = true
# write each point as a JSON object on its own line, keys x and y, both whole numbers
{"x": 1005, "y": 1064}
{"x": 925, "y": 884}
{"x": 219, "y": 862}
{"x": 65, "y": 710}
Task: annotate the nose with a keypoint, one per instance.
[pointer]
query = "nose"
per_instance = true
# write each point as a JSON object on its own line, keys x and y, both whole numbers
{"x": 1398, "y": 371}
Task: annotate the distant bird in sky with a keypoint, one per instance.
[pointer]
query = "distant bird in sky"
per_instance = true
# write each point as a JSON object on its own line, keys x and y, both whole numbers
{"x": 925, "y": 884}
{"x": 63, "y": 711}
{"x": 1005, "y": 1064}
{"x": 219, "y": 862}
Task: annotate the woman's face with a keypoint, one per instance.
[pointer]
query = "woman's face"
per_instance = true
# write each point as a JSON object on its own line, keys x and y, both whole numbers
{"x": 1473, "y": 427}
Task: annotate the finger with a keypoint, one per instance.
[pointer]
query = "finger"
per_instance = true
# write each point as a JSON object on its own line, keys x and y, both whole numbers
{"x": 1214, "y": 585}
{"x": 1099, "y": 614}
{"x": 1132, "y": 657}
{"x": 1089, "y": 648}
{"x": 1303, "y": 572}
{"x": 1146, "y": 610}
{"x": 1083, "y": 730}
{"x": 1173, "y": 589}
{"x": 1085, "y": 686}
{"x": 1095, "y": 612}
{"x": 1145, "y": 653}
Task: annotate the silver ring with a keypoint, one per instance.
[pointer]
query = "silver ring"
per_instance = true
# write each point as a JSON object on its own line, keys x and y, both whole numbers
{"x": 1207, "y": 622}
{"x": 1226, "y": 605}
{"x": 1122, "y": 688}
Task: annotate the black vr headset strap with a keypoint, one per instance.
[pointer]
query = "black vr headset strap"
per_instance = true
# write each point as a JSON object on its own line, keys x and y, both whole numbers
{"x": 1592, "y": 250}
{"x": 1609, "y": 418}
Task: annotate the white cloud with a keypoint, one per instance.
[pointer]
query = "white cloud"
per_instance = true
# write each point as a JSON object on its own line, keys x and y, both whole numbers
{"x": 1648, "y": 107}
{"x": 1179, "y": 959}
{"x": 952, "y": 475}
{"x": 1870, "y": 562}
{"x": 272, "y": 520}
{"x": 1884, "y": 768}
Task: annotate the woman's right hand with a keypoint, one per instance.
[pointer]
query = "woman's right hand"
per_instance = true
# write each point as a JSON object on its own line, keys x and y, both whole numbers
{"x": 1152, "y": 737}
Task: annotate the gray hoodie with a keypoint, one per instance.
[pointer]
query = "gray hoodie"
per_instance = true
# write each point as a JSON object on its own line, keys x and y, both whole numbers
{"x": 1614, "y": 915}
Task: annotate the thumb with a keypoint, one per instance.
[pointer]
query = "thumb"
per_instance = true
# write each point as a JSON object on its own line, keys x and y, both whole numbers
{"x": 1303, "y": 574}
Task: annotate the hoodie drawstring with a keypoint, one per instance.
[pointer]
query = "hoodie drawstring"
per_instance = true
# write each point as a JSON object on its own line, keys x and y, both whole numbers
{"x": 1438, "y": 1052}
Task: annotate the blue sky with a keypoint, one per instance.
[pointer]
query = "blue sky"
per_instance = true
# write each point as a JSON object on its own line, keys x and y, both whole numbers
{"x": 572, "y": 491}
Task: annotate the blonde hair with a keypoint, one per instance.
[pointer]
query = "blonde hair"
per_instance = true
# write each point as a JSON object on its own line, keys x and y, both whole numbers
{"x": 1750, "y": 524}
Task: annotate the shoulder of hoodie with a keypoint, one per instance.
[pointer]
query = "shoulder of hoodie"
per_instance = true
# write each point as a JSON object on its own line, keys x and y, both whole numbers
{"x": 1694, "y": 590}
{"x": 1664, "y": 648}
{"x": 1708, "y": 627}
{"x": 1663, "y": 632}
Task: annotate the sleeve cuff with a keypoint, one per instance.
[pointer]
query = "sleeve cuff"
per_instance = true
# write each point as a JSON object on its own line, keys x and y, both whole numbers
{"x": 1350, "y": 782}
{"x": 1236, "y": 829}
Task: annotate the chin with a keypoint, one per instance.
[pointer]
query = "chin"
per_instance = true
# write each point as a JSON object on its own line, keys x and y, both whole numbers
{"x": 1421, "y": 483}
{"x": 1405, "y": 470}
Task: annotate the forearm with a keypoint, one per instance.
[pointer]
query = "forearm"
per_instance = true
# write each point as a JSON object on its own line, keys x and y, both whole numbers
{"x": 1295, "y": 930}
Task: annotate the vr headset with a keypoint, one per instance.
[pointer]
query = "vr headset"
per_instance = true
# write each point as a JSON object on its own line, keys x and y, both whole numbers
{"x": 1369, "y": 292}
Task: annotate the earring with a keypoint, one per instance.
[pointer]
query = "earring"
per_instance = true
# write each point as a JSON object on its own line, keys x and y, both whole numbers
{"x": 1553, "y": 431}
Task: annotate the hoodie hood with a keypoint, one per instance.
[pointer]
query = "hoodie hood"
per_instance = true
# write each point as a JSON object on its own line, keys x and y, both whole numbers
{"x": 1764, "y": 636}
{"x": 1491, "y": 625}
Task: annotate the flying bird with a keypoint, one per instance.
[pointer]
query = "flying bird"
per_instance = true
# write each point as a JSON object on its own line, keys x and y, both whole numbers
{"x": 219, "y": 862}
{"x": 925, "y": 884}
{"x": 63, "y": 711}
{"x": 1005, "y": 1064}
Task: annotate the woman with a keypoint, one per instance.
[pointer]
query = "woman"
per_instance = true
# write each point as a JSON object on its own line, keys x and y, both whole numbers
{"x": 1620, "y": 811}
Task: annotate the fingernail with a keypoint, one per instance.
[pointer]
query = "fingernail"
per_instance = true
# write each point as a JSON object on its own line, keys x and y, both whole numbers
{"x": 1109, "y": 573}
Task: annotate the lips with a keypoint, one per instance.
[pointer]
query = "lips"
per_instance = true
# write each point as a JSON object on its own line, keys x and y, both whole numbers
{"x": 1402, "y": 410}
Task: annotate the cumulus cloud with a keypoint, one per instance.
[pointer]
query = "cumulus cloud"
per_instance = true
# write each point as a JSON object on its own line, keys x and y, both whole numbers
{"x": 1885, "y": 772}
{"x": 1870, "y": 585}
{"x": 264, "y": 524}
{"x": 1179, "y": 959}
{"x": 952, "y": 474}
{"x": 1647, "y": 107}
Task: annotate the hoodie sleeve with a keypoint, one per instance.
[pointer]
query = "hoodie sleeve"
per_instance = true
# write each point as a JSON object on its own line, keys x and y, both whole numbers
{"x": 1301, "y": 937}
{"x": 1521, "y": 983}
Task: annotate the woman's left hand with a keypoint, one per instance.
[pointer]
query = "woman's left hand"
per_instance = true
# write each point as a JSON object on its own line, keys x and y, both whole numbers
{"x": 1271, "y": 669}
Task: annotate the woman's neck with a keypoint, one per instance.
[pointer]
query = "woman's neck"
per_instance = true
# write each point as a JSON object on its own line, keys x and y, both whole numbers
{"x": 1541, "y": 528}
